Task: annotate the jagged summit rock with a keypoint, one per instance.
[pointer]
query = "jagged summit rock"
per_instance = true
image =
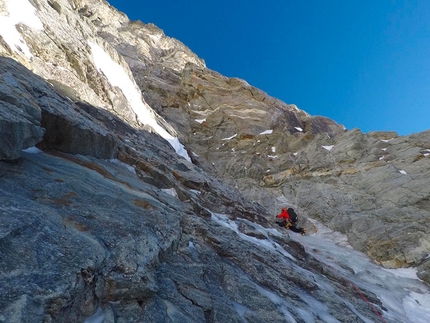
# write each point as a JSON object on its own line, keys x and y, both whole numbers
{"x": 108, "y": 218}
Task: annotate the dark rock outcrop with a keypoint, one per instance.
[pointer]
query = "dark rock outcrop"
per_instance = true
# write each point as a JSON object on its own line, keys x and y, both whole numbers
{"x": 20, "y": 114}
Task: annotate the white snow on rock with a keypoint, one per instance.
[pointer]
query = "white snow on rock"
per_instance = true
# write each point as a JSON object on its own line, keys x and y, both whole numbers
{"x": 229, "y": 138}
{"x": 403, "y": 272}
{"x": 200, "y": 120}
{"x": 298, "y": 128}
{"x": 266, "y": 132}
{"x": 117, "y": 76}
{"x": 328, "y": 147}
{"x": 20, "y": 11}
{"x": 170, "y": 191}
{"x": 402, "y": 172}
{"x": 273, "y": 149}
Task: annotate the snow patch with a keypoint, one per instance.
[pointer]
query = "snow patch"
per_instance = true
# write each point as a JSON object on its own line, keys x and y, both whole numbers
{"x": 170, "y": 191}
{"x": 229, "y": 138}
{"x": 200, "y": 120}
{"x": 272, "y": 156}
{"x": 117, "y": 76}
{"x": 402, "y": 172}
{"x": 20, "y": 11}
{"x": 403, "y": 272}
{"x": 191, "y": 245}
{"x": 298, "y": 128}
{"x": 386, "y": 140}
{"x": 328, "y": 147}
{"x": 266, "y": 132}
{"x": 273, "y": 149}
{"x": 195, "y": 192}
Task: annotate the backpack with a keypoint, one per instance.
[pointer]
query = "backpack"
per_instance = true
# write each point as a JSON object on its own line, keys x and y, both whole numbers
{"x": 293, "y": 215}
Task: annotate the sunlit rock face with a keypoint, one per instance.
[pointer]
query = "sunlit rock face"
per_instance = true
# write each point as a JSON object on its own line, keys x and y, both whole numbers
{"x": 372, "y": 187}
{"x": 113, "y": 218}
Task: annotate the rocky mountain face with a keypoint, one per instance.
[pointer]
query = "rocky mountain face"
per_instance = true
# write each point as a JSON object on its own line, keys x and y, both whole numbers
{"x": 107, "y": 221}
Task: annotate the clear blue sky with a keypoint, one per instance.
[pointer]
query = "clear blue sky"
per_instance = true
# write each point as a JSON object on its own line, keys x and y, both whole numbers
{"x": 363, "y": 63}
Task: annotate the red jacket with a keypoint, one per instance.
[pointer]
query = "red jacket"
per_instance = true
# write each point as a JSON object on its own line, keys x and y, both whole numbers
{"x": 284, "y": 214}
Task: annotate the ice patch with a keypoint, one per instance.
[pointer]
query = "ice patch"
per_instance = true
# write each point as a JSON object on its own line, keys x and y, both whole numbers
{"x": 97, "y": 317}
{"x": 120, "y": 163}
{"x": 117, "y": 76}
{"x": 298, "y": 128}
{"x": 32, "y": 150}
{"x": 272, "y": 246}
{"x": 402, "y": 172}
{"x": 241, "y": 310}
{"x": 20, "y": 11}
{"x": 415, "y": 304}
{"x": 278, "y": 301}
{"x": 266, "y": 132}
{"x": 328, "y": 147}
{"x": 333, "y": 236}
{"x": 405, "y": 297}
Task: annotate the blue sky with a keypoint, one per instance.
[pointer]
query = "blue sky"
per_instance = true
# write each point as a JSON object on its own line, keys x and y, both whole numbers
{"x": 363, "y": 63}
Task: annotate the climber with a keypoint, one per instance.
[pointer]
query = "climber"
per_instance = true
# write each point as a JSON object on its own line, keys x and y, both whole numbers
{"x": 289, "y": 220}
{"x": 284, "y": 215}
